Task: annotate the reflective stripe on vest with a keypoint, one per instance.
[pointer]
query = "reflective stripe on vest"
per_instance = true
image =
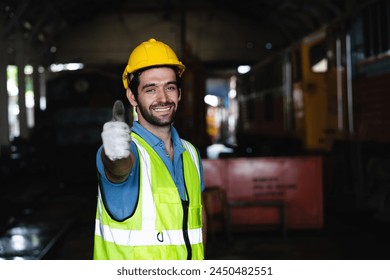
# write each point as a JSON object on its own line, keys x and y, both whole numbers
{"x": 193, "y": 153}
{"x": 146, "y": 237}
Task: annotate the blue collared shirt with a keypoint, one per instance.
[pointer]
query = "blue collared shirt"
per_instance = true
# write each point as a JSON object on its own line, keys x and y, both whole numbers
{"x": 121, "y": 199}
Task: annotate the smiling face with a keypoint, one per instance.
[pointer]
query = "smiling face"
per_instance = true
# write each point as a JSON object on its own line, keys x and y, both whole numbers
{"x": 158, "y": 97}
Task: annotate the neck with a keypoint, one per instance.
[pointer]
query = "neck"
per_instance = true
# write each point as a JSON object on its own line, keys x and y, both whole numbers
{"x": 162, "y": 132}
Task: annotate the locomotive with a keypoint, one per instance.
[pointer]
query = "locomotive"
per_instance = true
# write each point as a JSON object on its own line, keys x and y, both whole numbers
{"x": 328, "y": 95}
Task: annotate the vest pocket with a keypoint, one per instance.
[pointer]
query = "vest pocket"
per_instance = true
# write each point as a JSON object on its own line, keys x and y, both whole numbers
{"x": 169, "y": 209}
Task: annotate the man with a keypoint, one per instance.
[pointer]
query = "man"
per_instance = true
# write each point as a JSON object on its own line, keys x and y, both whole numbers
{"x": 150, "y": 180}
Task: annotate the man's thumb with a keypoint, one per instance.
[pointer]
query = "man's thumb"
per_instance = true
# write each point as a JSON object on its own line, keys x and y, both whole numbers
{"x": 118, "y": 111}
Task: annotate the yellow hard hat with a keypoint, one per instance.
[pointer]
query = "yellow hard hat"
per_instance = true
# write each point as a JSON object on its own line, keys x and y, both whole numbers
{"x": 151, "y": 53}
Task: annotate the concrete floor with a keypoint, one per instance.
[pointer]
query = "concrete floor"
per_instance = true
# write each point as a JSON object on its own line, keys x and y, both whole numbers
{"x": 343, "y": 237}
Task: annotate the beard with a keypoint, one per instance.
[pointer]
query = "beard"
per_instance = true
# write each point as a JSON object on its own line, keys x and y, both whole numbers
{"x": 155, "y": 120}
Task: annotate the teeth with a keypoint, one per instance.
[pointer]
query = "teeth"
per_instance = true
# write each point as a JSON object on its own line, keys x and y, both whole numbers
{"x": 161, "y": 109}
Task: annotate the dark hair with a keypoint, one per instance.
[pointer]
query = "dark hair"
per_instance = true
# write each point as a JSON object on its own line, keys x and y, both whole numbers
{"x": 133, "y": 79}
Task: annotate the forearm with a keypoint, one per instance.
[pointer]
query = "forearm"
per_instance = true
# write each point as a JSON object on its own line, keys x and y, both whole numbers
{"x": 117, "y": 170}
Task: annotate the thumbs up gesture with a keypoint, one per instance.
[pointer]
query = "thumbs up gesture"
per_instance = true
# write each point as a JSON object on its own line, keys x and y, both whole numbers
{"x": 116, "y": 134}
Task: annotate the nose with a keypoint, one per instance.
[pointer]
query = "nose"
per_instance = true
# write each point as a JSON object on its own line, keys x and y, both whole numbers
{"x": 162, "y": 95}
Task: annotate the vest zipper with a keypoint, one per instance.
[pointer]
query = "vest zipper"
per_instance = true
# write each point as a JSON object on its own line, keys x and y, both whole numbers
{"x": 185, "y": 204}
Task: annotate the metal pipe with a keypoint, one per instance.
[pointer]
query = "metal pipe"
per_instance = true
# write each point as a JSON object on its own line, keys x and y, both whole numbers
{"x": 339, "y": 67}
{"x": 349, "y": 83}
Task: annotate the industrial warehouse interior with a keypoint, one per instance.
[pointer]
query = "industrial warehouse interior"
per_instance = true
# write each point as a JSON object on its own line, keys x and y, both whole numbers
{"x": 285, "y": 100}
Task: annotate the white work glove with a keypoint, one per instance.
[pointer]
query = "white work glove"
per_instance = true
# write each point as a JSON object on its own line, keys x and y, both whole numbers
{"x": 116, "y": 134}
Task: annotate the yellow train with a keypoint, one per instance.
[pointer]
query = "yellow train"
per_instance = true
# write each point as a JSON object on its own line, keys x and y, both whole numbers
{"x": 328, "y": 94}
{"x": 332, "y": 85}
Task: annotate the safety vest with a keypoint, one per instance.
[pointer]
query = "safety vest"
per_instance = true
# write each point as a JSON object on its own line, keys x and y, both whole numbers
{"x": 163, "y": 226}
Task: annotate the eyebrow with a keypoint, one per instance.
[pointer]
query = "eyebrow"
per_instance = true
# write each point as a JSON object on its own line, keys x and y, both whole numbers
{"x": 154, "y": 84}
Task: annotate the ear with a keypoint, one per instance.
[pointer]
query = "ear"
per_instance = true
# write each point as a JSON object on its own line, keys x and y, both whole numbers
{"x": 130, "y": 96}
{"x": 179, "y": 96}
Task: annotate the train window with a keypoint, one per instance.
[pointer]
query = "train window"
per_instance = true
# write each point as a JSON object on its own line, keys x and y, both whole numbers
{"x": 385, "y": 24}
{"x": 297, "y": 66}
{"x": 357, "y": 43}
{"x": 268, "y": 107}
{"x": 251, "y": 109}
{"x": 376, "y": 27}
{"x": 318, "y": 59}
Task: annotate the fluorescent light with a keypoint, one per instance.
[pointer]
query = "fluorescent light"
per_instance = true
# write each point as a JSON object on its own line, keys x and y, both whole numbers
{"x": 211, "y": 100}
{"x": 242, "y": 69}
{"x": 66, "y": 67}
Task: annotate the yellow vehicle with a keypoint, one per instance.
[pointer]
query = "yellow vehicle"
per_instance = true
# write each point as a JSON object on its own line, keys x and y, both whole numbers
{"x": 327, "y": 94}
{"x": 329, "y": 86}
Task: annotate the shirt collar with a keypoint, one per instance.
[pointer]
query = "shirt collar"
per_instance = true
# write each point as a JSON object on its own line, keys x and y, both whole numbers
{"x": 153, "y": 140}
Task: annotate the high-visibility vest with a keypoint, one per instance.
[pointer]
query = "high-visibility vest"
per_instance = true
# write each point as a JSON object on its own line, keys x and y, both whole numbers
{"x": 163, "y": 226}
